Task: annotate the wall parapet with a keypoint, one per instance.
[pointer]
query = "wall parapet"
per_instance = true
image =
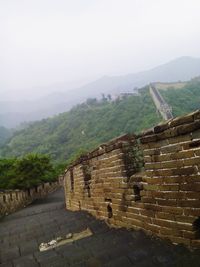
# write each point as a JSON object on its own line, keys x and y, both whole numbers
{"x": 12, "y": 200}
{"x": 149, "y": 181}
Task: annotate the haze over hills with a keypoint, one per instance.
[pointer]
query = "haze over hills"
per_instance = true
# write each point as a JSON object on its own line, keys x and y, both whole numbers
{"x": 94, "y": 122}
{"x": 14, "y": 113}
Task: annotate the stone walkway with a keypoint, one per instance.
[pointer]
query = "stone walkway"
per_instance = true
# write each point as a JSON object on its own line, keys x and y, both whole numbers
{"x": 22, "y": 232}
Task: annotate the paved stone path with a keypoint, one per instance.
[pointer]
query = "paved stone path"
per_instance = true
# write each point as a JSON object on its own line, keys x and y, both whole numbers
{"x": 22, "y": 232}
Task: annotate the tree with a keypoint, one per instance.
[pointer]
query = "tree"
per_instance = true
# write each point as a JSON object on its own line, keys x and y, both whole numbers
{"x": 26, "y": 172}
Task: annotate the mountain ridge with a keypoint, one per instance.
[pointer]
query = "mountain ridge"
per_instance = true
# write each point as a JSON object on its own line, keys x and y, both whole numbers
{"x": 182, "y": 68}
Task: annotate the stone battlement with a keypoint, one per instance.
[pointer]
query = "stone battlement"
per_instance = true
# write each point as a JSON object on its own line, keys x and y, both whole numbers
{"x": 150, "y": 181}
{"x": 12, "y": 200}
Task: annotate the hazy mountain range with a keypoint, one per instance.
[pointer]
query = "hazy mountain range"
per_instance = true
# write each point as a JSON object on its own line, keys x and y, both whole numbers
{"x": 13, "y": 113}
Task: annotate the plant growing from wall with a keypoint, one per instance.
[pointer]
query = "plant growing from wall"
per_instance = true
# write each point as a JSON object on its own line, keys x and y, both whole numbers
{"x": 133, "y": 157}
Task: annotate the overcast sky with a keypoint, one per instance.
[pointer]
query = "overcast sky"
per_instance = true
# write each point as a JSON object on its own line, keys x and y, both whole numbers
{"x": 44, "y": 42}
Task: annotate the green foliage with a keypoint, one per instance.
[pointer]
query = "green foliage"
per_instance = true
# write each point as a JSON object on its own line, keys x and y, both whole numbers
{"x": 4, "y": 135}
{"x": 183, "y": 100}
{"x": 26, "y": 172}
{"x": 84, "y": 127}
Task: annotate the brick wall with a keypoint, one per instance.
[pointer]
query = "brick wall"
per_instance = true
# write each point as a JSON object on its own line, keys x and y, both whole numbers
{"x": 12, "y": 200}
{"x": 150, "y": 181}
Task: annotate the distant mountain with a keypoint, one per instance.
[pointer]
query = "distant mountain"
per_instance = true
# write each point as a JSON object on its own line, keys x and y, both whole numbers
{"x": 180, "y": 69}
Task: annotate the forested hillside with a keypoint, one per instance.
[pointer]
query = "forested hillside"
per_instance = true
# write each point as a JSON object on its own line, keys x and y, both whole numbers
{"x": 183, "y": 100}
{"x": 4, "y": 135}
{"x": 84, "y": 127}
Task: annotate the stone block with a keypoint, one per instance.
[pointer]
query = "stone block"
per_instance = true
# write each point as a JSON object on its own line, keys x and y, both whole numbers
{"x": 182, "y": 120}
{"x": 188, "y": 128}
{"x": 166, "y": 202}
{"x": 171, "y": 149}
{"x": 161, "y": 127}
{"x": 165, "y": 215}
{"x": 148, "y": 139}
{"x": 173, "y": 210}
{"x": 180, "y": 139}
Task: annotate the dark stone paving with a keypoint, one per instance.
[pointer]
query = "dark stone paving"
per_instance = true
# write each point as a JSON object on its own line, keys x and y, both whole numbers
{"x": 22, "y": 232}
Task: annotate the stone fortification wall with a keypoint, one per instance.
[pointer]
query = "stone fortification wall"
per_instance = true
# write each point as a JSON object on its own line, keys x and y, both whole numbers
{"x": 12, "y": 200}
{"x": 150, "y": 181}
{"x": 161, "y": 105}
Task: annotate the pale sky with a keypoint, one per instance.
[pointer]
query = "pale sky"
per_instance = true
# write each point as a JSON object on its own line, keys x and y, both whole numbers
{"x": 44, "y": 42}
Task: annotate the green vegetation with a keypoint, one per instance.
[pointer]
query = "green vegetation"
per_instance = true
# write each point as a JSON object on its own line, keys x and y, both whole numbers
{"x": 4, "y": 135}
{"x": 183, "y": 100}
{"x": 87, "y": 125}
{"x": 70, "y": 134}
{"x": 26, "y": 172}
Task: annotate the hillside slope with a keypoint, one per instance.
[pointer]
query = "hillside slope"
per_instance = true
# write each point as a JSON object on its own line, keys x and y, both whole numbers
{"x": 62, "y": 99}
{"x": 183, "y": 100}
{"x": 84, "y": 127}
{"x": 5, "y": 134}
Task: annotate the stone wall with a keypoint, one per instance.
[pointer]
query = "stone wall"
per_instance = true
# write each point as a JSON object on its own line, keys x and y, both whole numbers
{"x": 161, "y": 105}
{"x": 12, "y": 200}
{"x": 150, "y": 181}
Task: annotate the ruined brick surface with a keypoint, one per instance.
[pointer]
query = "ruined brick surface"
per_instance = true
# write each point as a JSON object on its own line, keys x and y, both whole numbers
{"x": 162, "y": 198}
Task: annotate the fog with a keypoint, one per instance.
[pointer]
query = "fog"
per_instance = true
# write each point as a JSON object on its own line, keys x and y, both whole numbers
{"x": 48, "y": 43}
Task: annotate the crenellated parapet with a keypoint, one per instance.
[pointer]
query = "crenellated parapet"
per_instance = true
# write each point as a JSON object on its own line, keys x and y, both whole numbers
{"x": 12, "y": 200}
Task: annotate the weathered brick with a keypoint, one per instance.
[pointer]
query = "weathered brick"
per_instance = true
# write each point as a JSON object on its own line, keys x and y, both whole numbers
{"x": 189, "y": 203}
{"x": 169, "y": 202}
{"x": 190, "y": 187}
{"x": 174, "y": 195}
{"x": 169, "y": 133}
{"x": 158, "y": 144}
{"x": 165, "y": 202}
{"x": 161, "y": 127}
{"x": 192, "y": 211}
{"x": 153, "y": 180}
{"x": 148, "y": 200}
{"x": 189, "y": 234}
{"x": 185, "y": 219}
{"x": 149, "y": 213}
{"x": 164, "y": 215}
{"x": 133, "y": 210}
{"x": 191, "y": 161}
{"x": 153, "y": 165}
{"x": 178, "y": 240}
{"x": 164, "y": 231}
{"x": 191, "y": 145}
{"x": 171, "y": 164}
{"x": 173, "y": 179}
{"x": 152, "y": 227}
{"x": 165, "y": 157}
{"x": 197, "y": 152}
{"x": 195, "y": 134}
{"x": 150, "y": 152}
{"x": 171, "y": 148}
{"x": 173, "y": 210}
{"x": 168, "y": 187}
{"x": 148, "y": 139}
{"x": 147, "y": 159}
{"x": 151, "y": 187}
{"x": 185, "y": 171}
{"x": 180, "y": 139}
{"x": 182, "y": 155}
{"x": 188, "y": 128}
{"x": 153, "y": 207}
{"x": 182, "y": 120}
{"x": 173, "y": 225}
